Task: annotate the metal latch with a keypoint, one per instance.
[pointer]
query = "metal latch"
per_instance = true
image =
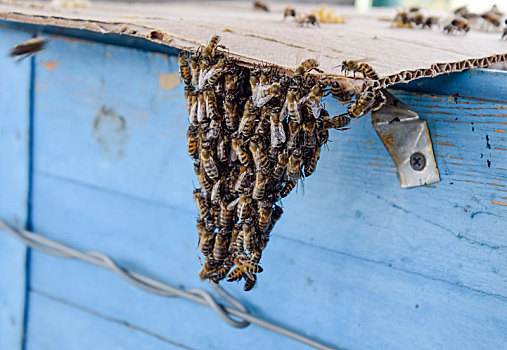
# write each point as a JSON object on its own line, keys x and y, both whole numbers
{"x": 408, "y": 141}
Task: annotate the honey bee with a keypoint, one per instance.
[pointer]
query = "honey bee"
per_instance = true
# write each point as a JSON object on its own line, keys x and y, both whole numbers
{"x": 193, "y": 142}
{"x": 249, "y": 242}
{"x": 247, "y": 121}
{"x": 209, "y": 50}
{"x": 196, "y": 70}
{"x": 236, "y": 275}
{"x": 294, "y": 165}
{"x": 243, "y": 207}
{"x": 203, "y": 207}
{"x": 207, "y": 270}
{"x": 289, "y": 12}
{"x": 237, "y": 146}
{"x": 277, "y": 131}
{"x": 260, "y": 5}
{"x": 504, "y": 31}
{"x": 250, "y": 283}
{"x": 206, "y": 239}
{"x": 341, "y": 94}
{"x": 354, "y": 66}
{"x": 205, "y": 183}
{"x": 185, "y": 74}
{"x": 291, "y": 104}
{"x": 215, "y": 191}
{"x": 28, "y": 48}
{"x": 210, "y": 167}
{"x": 248, "y": 267}
{"x": 260, "y": 186}
{"x": 220, "y": 273}
{"x": 310, "y": 139}
{"x": 308, "y": 19}
{"x": 211, "y": 103}
{"x": 265, "y": 211}
{"x": 359, "y": 107}
{"x": 230, "y": 80}
{"x": 254, "y": 80}
{"x": 294, "y": 128}
{"x": 306, "y": 67}
{"x": 275, "y": 216}
{"x": 221, "y": 247}
{"x": 260, "y": 160}
{"x": 402, "y": 19}
{"x": 225, "y": 216}
{"x": 201, "y": 107}
{"x": 236, "y": 231}
{"x": 340, "y": 121}
{"x": 492, "y": 18}
{"x": 197, "y": 167}
{"x": 459, "y": 25}
{"x": 280, "y": 166}
{"x": 214, "y": 129}
{"x": 191, "y": 97}
{"x": 265, "y": 76}
{"x": 311, "y": 162}
{"x": 430, "y": 21}
{"x": 313, "y": 99}
{"x": 231, "y": 115}
{"x": 267, "y": 93}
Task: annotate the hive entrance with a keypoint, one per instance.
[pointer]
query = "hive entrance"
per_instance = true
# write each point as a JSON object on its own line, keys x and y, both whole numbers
{"x": 253, "y": 134}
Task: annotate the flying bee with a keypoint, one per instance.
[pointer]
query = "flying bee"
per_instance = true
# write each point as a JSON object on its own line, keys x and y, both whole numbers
{"x": 265, "y": 211}
{"x": 311, "y": 162}
{"x": 203, "y": 206}
{"x": 308, "y": 19}
{"x": 417, "y": 18}
{"x": 358, "y": 108}
{"x": 193, "y": 142}
{"x": 209, "y": 164}
{"x": 206, "y": 238}
{"x": 249, "y": 241}
{"x": 225, "y": 216}
{"x": 250, "y": 283}
{"x": 294, "y": 165}
{"x": 354, "y": 66}
{"x": 287, "y": 188}
{"x": 28, "y": 48}
{"x": 280, "y": 166}
{"x": 222, "y": 149}
{"x": 306, "y": 67}
{"x": 268, "y": 93}
{"x": 260, "y": 186}
{"x": 341, "y": 94}
{"x": 209, "y": 50}
{"x": 221, "y": 247}
{"x": 236, "y": 275}
{"x": 289, "y": 12}
{"x": 185, "y": 74}
{"x": 292, "y": 106}
{"x": 310, "y": 139}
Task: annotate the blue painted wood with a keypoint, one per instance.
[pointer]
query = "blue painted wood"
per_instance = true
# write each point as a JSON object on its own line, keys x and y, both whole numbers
{"x": 14, "y": 155}
{"x": 355, "y": 261}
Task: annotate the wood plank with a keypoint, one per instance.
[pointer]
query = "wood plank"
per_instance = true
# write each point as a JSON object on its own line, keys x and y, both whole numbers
{"x": 78, "y": 328}
{"x": 436, "y": 231}
{"x": 14, "y": 173}
{"x": 348, "y": 301}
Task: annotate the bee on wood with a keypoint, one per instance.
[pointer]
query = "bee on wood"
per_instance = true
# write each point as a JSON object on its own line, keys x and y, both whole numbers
{"x": 306, "y": 67}
{"x": 221, "y": 247}
{"x": 260, "y": 186}
{"x": 260, "y": 5}
{"x": 185, "y": 74}
{"x": 210, "y": 167}
{"x": 294, "y": 165}
{"x": 311, "y": 161}
{"x": 280, "y": 166}
{"x": 459, "y": 25}
{"x": 209, "y": 50}
{"x": 29, "y": 47}
{"x": 504, "y": 30}
{"x": 289, "y": 12}
{"x": 193, "y": 142}
{"x": 430, "y": 21}
{"x": 265, "y": 211}
{"x": 308, "y": 19}
{"x": 354, "y": 66}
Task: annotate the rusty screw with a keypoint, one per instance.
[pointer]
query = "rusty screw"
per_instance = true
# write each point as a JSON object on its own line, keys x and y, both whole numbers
{"x": 417, "y": 161}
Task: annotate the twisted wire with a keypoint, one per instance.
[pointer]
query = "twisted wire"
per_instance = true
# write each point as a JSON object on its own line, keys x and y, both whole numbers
{"x": 242, "y": 318}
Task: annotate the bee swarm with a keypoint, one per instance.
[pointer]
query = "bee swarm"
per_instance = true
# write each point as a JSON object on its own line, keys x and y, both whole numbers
{"x": 253, "y": 135}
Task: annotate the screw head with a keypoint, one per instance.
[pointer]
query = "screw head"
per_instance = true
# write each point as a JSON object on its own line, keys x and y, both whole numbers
{"x": 417, "y": 161}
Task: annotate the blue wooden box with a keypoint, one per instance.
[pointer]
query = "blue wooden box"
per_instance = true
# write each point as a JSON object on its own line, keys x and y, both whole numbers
{"x": 93, "y": 154}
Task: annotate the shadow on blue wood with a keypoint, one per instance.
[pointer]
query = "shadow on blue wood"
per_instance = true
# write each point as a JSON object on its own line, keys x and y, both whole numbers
{"x": 355, "y": 261}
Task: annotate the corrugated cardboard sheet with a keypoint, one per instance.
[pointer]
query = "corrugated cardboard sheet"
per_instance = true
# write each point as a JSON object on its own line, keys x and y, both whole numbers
{"x": 397, "y": 54}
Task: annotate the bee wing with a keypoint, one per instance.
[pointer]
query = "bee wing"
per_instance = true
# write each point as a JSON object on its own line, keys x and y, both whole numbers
{"x": 316, "y": 107}
{"x": 281, "y": 133}
{"x": 283, "y": 113}
{"x": 215, "y": 190}
{"x": 234, "y": 155}
{"x": 233, "y": 204}
{"x": 262, "y": 101}
{"x": 242, "y": 124}
{"x": 202, "y": 78}
{"x": 193, "y": 114}
{"x": 200, "y": 112}
{"x": 304, "y": 99}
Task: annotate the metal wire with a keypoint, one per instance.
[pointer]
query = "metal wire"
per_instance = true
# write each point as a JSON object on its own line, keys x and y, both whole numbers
{"x": 200, "y": 296}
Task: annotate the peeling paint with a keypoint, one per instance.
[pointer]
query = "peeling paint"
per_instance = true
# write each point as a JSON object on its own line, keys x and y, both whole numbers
{"x": 50, "y": 65}
{"x": 499, "y": 203}
{"x": 168, "y": 81}
{"x": 446, "y": 144}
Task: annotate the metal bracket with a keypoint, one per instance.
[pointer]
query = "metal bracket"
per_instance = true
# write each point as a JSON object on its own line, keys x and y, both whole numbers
{"x": 408, "y": 141}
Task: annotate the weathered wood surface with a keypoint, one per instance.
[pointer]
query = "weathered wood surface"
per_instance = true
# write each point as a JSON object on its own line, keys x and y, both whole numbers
{"x": 355, "y": 261}
{"x": 14, "y": 180}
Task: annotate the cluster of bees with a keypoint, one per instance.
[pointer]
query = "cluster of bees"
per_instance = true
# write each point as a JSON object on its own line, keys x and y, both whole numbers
{"x": 253, "y": 134}
{"x": 461, "y": 23}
